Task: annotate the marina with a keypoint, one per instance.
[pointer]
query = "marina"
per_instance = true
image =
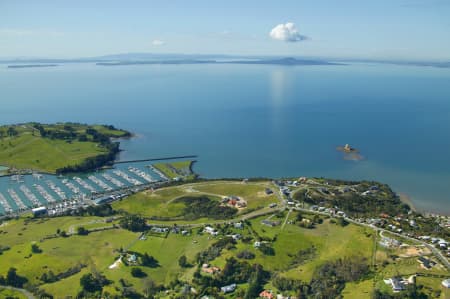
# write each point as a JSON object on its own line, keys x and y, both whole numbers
{"x": 19, "y": 193}
{"x": 57, "y": 190}
{"x": 114, "y": 181}
{"x": 31, "y": 197}
{"x": 5, "y": 204}
{"x": 17, "y": 200}
{"x": 49, "y": 198}
{"x": 85, "y": 185}
{"x": 141, "y": 174}
{"x": 128, "y": 178}
{"x": 100, "y": 183}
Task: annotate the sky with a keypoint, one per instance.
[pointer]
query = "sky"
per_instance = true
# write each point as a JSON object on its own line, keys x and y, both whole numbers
{"x": 381, "y": 29}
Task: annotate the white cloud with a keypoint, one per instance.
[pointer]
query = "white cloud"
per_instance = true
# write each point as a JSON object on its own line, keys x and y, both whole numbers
{"x": 287, "y": 33}
{"x": 157, "y": 42}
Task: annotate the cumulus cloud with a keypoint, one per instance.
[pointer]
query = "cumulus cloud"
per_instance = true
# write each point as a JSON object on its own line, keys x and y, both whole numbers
{"x": 287, "y": 32}
{"x": 157, "y": 42}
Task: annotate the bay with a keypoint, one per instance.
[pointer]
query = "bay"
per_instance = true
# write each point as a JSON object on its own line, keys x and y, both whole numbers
{"x": 260, "y": 120}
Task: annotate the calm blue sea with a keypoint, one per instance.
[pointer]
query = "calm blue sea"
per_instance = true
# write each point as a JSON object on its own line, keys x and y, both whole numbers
{"x": 250, "y": 120}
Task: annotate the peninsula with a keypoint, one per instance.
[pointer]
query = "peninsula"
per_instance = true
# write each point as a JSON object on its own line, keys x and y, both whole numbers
{"x": 58, "y": 148}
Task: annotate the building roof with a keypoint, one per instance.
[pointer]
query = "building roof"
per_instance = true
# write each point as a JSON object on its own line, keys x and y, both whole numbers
{"x": 446, "y": 283}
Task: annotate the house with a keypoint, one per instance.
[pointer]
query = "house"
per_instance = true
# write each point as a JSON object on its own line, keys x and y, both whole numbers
{"x": 426, "y": 263}
{"x": 159, "y": 230}
{"x": 229, "y": 288}
{"x": 270, "y": 223}
{"x": 210, "y": 230}
{"x": 268, "y": 191}
{"x": 239, "y": 225}
{"x": 39, "y": 211}
{"x": 210, "y": 270}
{"x": 235, "y": 237}
{"x": 397, "y": 283}
{"x": 446, "y": 283}
{"x": 132, "y": 258}
{"x": 266, "y": 294}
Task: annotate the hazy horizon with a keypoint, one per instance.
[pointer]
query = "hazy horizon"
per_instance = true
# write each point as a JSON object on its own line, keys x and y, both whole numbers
{"x": 414, "y": 30}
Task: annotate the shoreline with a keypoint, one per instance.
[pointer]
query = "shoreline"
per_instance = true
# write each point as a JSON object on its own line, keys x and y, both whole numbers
{"x": 405, "y": 198}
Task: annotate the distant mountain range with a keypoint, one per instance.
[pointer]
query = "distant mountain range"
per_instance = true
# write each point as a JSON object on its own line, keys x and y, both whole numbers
{"x": 156, "y": 58}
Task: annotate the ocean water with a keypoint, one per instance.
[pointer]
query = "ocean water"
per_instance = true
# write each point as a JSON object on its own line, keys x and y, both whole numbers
{"x": 260, "y": 120}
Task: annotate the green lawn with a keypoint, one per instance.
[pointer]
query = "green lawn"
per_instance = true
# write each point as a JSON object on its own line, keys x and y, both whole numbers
{"x": 176, "y": 169}
{"x": 253, "y": 193}
{"x": 5, "y": 293}
{"x": 161, "y": 202}
{"x": 332, "y": 242}
{"x": 358, "y": 290}
{"x": 42, "y": 154}
{"x": 28, "y": 150}
{"x": 158, "y": 203}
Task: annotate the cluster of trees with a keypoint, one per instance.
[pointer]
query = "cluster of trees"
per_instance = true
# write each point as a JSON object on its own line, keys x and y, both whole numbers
{"x": 245, "y": 254}
{"x": 203, "y": 206}
{"x": 237, "y": 272}
{"x": 303, "y": 256}
{"x": 49, "y": 277}
{"x": 13, "y": 279}
{"x": 355, "y": 204}
{"x": 287, "y": 284}
{"x": 329, "y": 279}
{"x": 215, "y": 249}
{"x": 82, "y": 231}
{"x": 35, "y": 248}
{"x": 92, "y": 283}
{"x": 133, "y": 223}
{"x": 137, "y": 272}
{"x": 149, "y": 261}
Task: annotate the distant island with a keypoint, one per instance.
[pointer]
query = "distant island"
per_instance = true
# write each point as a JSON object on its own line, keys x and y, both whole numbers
{"x": 58, "y": 148}
{"x": 281, "y": 61}
{"x": 20, "y": 66}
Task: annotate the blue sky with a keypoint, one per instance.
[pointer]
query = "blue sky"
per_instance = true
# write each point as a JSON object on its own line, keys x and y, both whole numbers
{"x": 390, "y": 29}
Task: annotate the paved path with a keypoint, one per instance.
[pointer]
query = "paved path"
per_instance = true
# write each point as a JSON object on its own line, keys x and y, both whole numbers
{"x": 24, "y": 292}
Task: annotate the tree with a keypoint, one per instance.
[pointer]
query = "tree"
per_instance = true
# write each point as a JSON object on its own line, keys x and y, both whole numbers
{"x": 82, "y": 231}
{"x": 266, "y": 249}
{"x": 35, "y": 248}
{"x": 90, "y": 284}
{"x": 149, "y": 261}
{"x": 182, "y": 261}
{"x": 133, "y": 223}
{"x": 12, "y": 132}
{"x": 137, "y": 272}
{"x": 13, "y": 279}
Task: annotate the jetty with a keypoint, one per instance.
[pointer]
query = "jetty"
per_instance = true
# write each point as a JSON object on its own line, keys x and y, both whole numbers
{"x": 17, "y": 199}
{"x": 158, "y": 159}
{"x": 5, "y": 204}
{"x": 100, "y": 183}
{"x": 49, "y": 198}
{"x": 127, "y": 178}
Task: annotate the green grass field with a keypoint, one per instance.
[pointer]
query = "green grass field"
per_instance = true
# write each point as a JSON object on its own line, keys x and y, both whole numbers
{"x": 161, "y": 202}
{"x": 32, "y": 152}
{"x": 177, "y": 169}
{"x": 28, "y": 150}
{"x": 5, "y": 293}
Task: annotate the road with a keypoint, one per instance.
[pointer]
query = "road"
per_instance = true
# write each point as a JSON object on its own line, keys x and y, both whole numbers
{"x": 433, "y": 249}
